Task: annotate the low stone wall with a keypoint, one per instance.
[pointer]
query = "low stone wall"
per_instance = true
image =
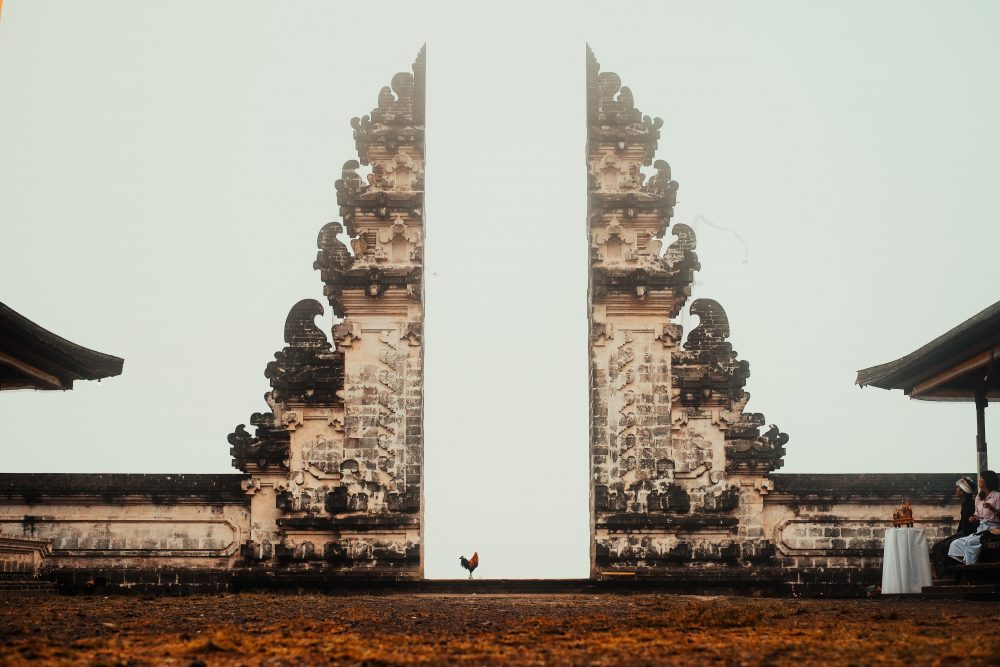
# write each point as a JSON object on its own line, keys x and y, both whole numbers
{"x": 183, "y": 533}
{"x": 132, "y": 531}
{"x": 828, "y": 530}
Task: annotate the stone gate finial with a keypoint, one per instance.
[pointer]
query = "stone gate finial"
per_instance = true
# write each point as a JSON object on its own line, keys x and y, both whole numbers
{"x": 300, "y": 325}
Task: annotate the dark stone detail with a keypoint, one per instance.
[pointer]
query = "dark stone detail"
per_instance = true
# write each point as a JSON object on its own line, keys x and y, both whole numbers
{"x": 611, "y": 114}
{"x": 707, "y": 372}
{"x": 730, "y": 554}
{"x": 374, "y": 281}
{"x": 303, "y": 551}
{"x": 630, "y": 204}
{"x": 748, "y": 452}
{"x": 726, "y": 501}
{"x": 679, "y": 554}
{"x": 354, "y": 193}
{"x": 335, "y": 552}
{"x": 708, "y": 341}
{"x": 661, "y": 182}
{"x": 675, "y": 500}
{"x": 681, "y": 256}
{"x": 410, "y": 500}
{"x": 333, "y": 255}
{"x": 601, "y": 497}
{"x": 307, "y": 369}
{"x": 414, "y": 331}
{"x": 268, "y": 448}
{"x": 640, "y": 282}
{"x": 284, "y": 501}
{"x": 115, "y": 488}
{"x": 602, "y": 555}
{"x": 399, "y": 116}
{"x": 748, "y": 428}
{"x": 688, "y": 558}
{"x": 337, "y": 500}
{"x": 758, "y": 552}
{"x": 300, "y": 326}
{"x": 383, "y": 554}
{"x": 142, "y": 580}
{"x": 256, "y": 551}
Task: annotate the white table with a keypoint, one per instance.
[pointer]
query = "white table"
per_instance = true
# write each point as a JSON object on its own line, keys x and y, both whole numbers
{"x": 906, "y": 563}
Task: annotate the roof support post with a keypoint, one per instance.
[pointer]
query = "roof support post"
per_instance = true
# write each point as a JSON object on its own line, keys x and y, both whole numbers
{"x": 981, "y": 403}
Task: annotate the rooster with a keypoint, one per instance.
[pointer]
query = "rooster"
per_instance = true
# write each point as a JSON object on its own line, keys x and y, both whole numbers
{"x": 470, "y": 564}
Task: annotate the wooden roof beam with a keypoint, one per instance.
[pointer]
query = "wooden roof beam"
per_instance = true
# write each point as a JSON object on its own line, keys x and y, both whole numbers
{"x": 984, "y": 358}
{"x": 43, "y": 380}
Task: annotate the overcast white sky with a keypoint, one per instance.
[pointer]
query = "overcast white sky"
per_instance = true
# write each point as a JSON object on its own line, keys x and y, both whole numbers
{"x": 165, "y": 167}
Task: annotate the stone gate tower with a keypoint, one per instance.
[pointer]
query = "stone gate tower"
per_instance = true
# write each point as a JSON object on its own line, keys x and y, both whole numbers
{"x": 676, "y": 465}
{"x": 336, "y": 466}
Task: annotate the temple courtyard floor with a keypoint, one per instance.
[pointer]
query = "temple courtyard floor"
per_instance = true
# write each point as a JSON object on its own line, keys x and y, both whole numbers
{"x": 316, "y": 628}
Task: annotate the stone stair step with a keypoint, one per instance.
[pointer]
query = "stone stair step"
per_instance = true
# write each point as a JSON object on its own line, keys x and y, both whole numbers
{"x": 963, "y": 591}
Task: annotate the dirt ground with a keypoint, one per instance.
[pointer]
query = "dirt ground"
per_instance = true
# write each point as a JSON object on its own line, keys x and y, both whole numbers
{"x": 271, "y": 629}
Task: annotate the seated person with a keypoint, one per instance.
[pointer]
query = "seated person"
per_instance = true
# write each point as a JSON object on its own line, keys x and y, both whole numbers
{"x": 986, "y": 517}
{"x": 964, "y": 490}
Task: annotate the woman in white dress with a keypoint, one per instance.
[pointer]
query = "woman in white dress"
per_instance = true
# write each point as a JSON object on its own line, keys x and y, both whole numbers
{"x": 987, "y": 517}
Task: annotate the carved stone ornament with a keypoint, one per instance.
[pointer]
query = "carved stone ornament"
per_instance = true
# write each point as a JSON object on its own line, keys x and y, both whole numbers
{"x": 346, "y": 332}
{"x": 268, "y": 449}
{"x": 396, "y": 242}
{"x": 399, "y": 117}
{"x": 612, "y": 117}
{"x": 614, "y": 244}
{"x": 333, "y": 255}
{"x": 611, "y": 173}
{"x": 681, "y": 253}
{"x": 402, "y": 173}
{"x": 307, "y": 369}
{"x": 413, "y": 333}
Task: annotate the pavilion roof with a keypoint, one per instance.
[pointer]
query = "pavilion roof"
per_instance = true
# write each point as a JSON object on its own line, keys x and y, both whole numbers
{"x": 32, "y": 357}
{"x": 948, "y": 368}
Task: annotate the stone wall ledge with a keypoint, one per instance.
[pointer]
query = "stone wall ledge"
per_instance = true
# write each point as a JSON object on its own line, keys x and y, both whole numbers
{"x": 119, "y": 488}
{"x": 857, "y": 488}
{"x": 357, "y": 521}
{"x": 668, "y": 521}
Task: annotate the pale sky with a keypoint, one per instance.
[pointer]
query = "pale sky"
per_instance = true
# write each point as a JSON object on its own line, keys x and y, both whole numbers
{"x": 165, "y": 167}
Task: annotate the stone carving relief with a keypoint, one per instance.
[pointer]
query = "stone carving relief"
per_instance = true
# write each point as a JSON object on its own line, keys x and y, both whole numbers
{"x": 614, "y": 245}
{"x": 611, "y": 173}
{"x": 401, "y": 173}
{"x": 322, "y": 456}
{"x": 398, "y": 244}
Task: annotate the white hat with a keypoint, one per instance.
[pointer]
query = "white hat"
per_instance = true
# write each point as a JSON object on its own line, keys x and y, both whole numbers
{"x": 965, "y": 483}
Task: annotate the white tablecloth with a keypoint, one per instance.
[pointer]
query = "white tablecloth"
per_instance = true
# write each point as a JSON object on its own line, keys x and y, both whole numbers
{"x": 906, "y": 565}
